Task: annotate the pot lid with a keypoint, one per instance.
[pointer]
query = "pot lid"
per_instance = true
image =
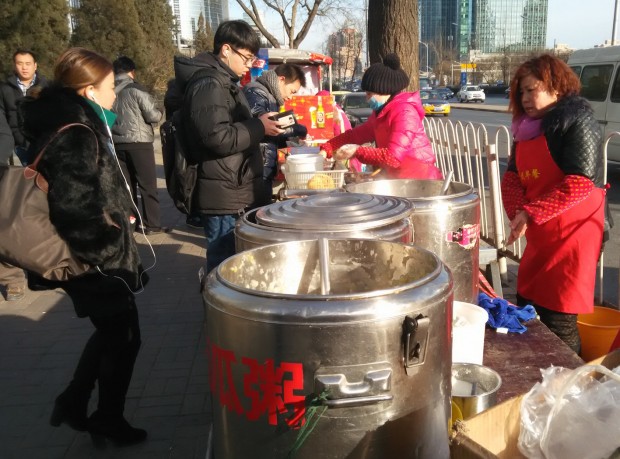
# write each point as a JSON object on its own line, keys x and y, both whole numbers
{"x": 335, "y": 211}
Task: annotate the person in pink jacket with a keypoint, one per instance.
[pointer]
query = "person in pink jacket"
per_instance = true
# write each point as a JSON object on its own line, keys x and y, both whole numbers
{"x": 402, "y": 149}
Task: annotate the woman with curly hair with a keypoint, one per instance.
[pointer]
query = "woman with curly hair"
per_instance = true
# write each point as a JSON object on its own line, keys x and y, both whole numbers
{"x": 553, "y": 194}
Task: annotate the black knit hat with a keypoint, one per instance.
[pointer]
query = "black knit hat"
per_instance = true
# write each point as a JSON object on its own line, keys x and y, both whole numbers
{"x": 386, "y": 77}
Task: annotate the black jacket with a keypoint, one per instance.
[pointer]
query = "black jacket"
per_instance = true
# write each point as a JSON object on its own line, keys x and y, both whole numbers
{"x": 10, "y": 95}
{"x": 574, "y": 138}
{"x": 6, "y": 140}
{"x": 219, "y": 131}
{"x": 88, "y": 201}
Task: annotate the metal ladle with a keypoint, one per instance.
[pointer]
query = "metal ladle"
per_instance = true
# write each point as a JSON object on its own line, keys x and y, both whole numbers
{"x": 324, "y": 265}
{"x": 446, "y": 183}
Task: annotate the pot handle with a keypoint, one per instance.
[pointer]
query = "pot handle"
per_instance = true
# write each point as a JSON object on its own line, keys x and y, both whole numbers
{"x": 415, "y": 338}
{"x": 373, "y": 388}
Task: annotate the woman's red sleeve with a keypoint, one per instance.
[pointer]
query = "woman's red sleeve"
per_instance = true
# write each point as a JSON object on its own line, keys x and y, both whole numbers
{"x": 377, "y": 157}
{"x": 568, "y": 193}
{"x": 513, "y": 194}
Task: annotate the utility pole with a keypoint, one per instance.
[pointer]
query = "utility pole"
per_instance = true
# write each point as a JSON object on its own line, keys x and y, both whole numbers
{"x": 613, "y": 29}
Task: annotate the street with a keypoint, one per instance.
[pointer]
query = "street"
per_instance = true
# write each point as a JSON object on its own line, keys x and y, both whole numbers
{"x": 492, "y": 121}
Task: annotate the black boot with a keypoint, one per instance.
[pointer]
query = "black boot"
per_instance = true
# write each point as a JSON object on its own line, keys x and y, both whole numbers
{"x": 71, "y": 411}
{"x": 114, "y": 428}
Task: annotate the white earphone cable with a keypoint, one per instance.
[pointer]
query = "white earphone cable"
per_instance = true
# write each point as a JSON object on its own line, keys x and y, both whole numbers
{"x": 133, "y": 204}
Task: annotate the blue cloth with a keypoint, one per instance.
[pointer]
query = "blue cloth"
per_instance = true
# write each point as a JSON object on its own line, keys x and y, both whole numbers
{"x": 506, "y": 315}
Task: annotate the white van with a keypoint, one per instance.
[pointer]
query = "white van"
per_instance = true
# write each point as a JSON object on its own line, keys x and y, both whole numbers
{"x": 599, "y": 72}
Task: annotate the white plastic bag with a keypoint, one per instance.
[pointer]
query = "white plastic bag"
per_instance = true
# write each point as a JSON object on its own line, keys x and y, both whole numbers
{"x": 572, "y": 415}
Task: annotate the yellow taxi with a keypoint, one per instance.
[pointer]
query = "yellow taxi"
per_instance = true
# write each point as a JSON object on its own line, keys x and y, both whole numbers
{"x": 434, "y": 103}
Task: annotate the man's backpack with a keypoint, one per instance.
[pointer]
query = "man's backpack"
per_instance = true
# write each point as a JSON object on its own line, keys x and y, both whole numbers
{"x": 181, "y": 173}
{"x": 180, "y": 170}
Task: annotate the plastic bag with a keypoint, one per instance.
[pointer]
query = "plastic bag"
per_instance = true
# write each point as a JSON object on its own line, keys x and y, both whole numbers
{"x": 571, "y": 414}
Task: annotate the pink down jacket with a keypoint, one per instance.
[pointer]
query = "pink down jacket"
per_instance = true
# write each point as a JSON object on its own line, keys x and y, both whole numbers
{"x": 398, "y": 128}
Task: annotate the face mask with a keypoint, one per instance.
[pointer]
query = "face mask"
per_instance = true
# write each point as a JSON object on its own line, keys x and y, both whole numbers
{"x": 109, "y": 118}
{"x": 374, "y": 104}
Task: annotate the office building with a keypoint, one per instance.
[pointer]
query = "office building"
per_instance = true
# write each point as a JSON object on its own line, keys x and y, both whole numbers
{"x": 487, "y": 26}
{"x": 187, "y": 12}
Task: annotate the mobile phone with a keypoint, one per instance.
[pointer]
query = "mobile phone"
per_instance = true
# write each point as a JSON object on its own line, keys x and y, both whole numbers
{"x": 284, "y": 119}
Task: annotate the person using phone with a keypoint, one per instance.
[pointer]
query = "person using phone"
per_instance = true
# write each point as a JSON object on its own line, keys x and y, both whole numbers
{"x": 268, "y": 94}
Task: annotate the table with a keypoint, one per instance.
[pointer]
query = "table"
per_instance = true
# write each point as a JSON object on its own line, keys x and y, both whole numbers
{"x": 519, "y": 358}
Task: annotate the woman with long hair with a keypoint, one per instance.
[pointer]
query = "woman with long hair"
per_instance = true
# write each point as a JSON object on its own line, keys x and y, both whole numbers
{"x": 90, "y": 207}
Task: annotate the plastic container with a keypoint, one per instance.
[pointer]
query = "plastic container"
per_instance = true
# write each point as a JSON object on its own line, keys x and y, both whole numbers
{"x": 598, "y": 331}
{"x": 304, "y": 163}
{"x": 468, "y": 325}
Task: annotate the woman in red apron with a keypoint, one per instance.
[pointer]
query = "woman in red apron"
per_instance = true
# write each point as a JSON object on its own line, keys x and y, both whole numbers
{"x": 553, "y": 194}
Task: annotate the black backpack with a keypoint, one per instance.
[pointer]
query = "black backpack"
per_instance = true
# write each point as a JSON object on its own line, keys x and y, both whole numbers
{"x": 180, "y": 170}
{"x": 181, "y": 173}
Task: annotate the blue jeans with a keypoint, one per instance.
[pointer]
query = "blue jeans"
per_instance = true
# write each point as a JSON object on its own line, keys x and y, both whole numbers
{"x": 219, "y": 230}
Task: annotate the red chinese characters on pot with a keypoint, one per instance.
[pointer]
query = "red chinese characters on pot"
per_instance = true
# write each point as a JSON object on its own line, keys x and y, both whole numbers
{"x": 270, "y": 390}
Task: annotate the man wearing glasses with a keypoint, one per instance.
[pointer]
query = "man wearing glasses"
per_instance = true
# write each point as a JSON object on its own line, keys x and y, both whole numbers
{"x": 219, "y": 132}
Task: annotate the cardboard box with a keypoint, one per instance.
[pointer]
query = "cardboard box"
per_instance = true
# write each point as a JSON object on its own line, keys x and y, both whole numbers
{"x": 494, "y": 433}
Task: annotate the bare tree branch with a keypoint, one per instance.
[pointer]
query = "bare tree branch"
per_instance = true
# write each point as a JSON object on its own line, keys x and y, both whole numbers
{"x": 294, "y": 12}
{"x": 254, "y": 16}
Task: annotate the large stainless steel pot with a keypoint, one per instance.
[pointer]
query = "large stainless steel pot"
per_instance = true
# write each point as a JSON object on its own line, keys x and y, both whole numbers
{"x": 448, "y": 225}
{"x": 365, "y": 366}
{"x": 333, "y": 215}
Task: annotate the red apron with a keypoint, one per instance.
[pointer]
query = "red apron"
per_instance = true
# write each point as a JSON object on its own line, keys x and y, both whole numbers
{"x": 558, "y": 268}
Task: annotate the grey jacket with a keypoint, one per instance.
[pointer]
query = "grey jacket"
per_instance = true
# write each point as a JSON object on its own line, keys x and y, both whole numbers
{"x": 136, "y": 112}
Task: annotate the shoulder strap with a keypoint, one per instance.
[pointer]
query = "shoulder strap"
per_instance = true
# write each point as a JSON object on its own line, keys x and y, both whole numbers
{"x": 30, "y": 171}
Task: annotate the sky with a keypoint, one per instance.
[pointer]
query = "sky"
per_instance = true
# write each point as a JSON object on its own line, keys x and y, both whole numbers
{"x": 576, "y": 23}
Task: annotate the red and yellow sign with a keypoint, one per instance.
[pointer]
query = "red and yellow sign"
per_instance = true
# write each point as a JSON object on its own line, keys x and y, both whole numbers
{"x": 314, "y": 112}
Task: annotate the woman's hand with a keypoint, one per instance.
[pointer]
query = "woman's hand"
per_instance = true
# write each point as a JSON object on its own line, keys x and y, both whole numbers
{"x": 345, "y": 152}
{"x": 272, "y": 128}
{"x": 518, "y": 225}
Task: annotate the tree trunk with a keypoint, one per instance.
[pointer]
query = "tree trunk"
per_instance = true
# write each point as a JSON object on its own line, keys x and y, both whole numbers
{"x": 393, "y": 28}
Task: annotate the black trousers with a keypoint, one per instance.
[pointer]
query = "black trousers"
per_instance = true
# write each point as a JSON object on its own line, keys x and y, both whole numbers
{"x": 563, "y": 325}
{"x": 138, "y": 164}
{"x": 108, "y": 357}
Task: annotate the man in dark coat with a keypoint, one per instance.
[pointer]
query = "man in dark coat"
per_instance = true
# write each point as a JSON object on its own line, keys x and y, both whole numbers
{"x": 268, "y": 94}
{"x": 133, "y": 140}
{"x": 218, "y": 130}
{"x": 17, "y": 86}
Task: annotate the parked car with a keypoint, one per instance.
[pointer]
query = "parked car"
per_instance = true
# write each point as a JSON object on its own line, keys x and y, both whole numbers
{"x": 446, "y": 93}
{"x": 470, "y": 93}
{"x": 338, "y": 95}
{"x": 356, "y": 107}
{"x": 507, "y": 92}
{"x": 434, "y": 103}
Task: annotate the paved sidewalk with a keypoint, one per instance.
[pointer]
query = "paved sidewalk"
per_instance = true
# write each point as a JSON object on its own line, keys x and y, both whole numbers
{"x": 41, "y": 340}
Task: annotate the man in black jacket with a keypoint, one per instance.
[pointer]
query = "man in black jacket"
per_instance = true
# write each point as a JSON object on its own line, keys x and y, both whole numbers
{"x": 218, "y": 131}
{"x": 17, "y": 86}
{"x": 133, "y": 140}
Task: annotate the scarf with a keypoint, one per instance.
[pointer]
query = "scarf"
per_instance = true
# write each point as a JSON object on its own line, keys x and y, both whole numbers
{"x": 526, "y": 128}
{"x": 269, "y": 79}
{"x": 104, "y": 114}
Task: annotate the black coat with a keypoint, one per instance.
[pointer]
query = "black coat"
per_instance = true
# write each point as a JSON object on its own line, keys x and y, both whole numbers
{"x": 6, "y": 140}
{"x": 89, "y": 203}
{"x": 219, "y": 132}
{"x": 10, "y": 95}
